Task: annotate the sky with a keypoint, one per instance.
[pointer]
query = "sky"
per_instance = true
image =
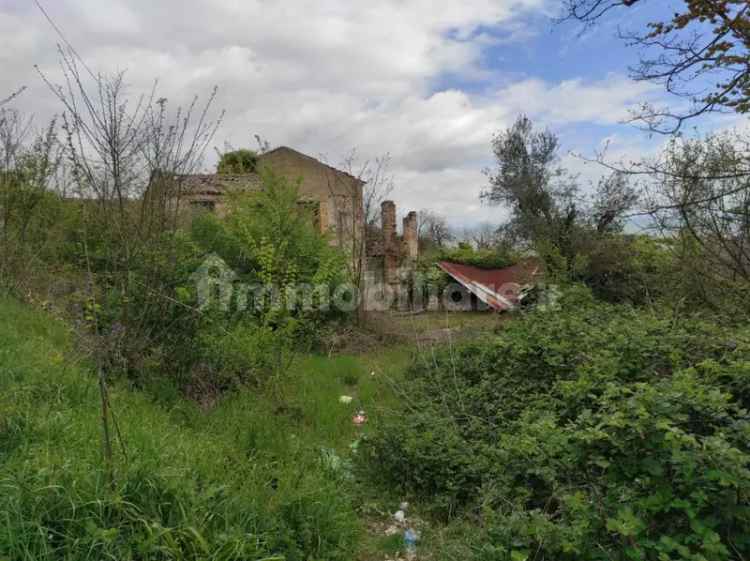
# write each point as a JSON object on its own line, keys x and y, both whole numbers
{"x": 426, "y": 81}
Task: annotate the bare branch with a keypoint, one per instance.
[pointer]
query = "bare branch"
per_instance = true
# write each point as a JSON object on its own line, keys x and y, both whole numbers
{"x": 701, "y": 53}
{"x": 12, "y": 96}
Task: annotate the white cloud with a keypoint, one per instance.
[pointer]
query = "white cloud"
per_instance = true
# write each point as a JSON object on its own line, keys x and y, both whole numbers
{"x": 452, "y": 192}
{"x": 603, "y": 102}
{"x": 322, "y": 76}
{"x": 116, "y": 17}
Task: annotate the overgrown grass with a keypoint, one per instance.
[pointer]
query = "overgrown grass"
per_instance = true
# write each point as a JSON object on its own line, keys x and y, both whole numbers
{"x": 255, "y": 478}
{"x": 436, "y": 326}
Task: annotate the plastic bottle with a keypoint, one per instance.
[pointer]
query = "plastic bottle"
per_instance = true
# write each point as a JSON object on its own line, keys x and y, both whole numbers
{"x": 410, "y": 539}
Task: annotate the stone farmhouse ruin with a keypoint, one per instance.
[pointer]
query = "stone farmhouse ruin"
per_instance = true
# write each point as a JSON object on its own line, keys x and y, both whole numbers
{"x": 336, "y": 199}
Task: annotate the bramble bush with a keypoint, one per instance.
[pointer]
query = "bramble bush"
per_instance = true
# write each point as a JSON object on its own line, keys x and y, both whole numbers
{"x": 591, "y": 432}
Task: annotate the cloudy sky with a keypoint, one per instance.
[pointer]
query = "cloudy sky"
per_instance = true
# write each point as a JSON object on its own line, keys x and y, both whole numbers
{"x": 427, "y": 81}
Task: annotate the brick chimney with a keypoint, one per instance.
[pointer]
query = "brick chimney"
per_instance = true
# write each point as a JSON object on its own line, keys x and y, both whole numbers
{"x": 390, "y": 242}
{"x": 411, "y": 239}
{"x": 388, "y": 221}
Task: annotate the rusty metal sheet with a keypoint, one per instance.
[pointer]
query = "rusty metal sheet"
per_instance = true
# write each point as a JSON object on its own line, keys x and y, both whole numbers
{"x": 500, "y": 289}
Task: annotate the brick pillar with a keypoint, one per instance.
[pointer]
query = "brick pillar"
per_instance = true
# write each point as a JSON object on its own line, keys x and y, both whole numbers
{"x": 390, "y": 242}
{"x": 411, "y": 240}
{"x": 388, "y": 221}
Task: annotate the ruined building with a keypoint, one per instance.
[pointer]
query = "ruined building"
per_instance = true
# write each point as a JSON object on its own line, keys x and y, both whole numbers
{"x": 336, "y": 198}
{"x": 390, "y": 256}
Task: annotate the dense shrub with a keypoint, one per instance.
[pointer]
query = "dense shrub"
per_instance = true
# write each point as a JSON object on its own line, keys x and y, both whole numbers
{"x": 676, "y": 272}
{"x": 627, "y": 269}
{"x": 269, "y": 238}
{"x": 481, "y": 258}
{"x": 147, "y": 324}
{"x": 270, "y": 242}
{"x": 238, "y": 162}
{"x": 590, "y": 432}
{"x": 248, "y": 352}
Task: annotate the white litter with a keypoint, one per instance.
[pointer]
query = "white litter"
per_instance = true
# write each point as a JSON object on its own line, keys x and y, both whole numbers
{"x": 392, "y": 530}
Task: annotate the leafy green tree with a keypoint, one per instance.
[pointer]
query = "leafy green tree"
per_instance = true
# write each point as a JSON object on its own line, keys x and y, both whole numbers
{"x": 546, "y": 205}
{"x": 697, "y": 189}
{"x": 528, "y": 179}
{"x": 278, "y": 241}
{"x": 548, "y": 212}
{"x": 698, "y": 195}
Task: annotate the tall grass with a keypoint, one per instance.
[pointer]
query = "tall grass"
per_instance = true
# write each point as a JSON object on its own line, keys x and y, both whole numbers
{"x": 245, "y": 481}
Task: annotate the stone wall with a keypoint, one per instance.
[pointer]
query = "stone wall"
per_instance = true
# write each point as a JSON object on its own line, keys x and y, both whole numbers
{"x": 335, "y": 194}
{"x": 338, "y": 193}
{"x": 337, "y": 198}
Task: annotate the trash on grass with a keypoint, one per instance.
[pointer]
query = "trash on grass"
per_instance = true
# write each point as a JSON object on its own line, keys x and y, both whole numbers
{"x": 360, "y": 418}
{"x": 411, "y": 537}
{"x": 345, "y": 399}
{"x": 392, "y": 530}
{"x": 399, "y": 516}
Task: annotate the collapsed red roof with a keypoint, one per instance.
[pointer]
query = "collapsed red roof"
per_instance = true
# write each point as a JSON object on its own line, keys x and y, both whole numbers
{"x": 500, "y": 289}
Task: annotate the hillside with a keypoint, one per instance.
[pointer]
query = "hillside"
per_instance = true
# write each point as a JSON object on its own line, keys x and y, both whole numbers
{"x": 250, "y": 479}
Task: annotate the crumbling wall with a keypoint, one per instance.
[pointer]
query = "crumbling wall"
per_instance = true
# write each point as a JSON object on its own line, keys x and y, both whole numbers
{"x": 391, "y": 258}
{"x": 339, "y": 193}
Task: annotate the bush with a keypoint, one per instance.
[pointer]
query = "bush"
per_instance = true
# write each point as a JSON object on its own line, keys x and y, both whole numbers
{"x": 481, "y": 258}
{"x": 249, "y": 353}
{"x": 237, "y": 162}
{"x": 269, "y": 240}
{"x": 628, "y": 269}
{"x": 593, "y": 432}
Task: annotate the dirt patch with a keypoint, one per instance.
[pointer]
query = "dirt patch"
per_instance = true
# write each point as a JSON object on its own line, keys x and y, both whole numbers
{"x": 435, "y": 327}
